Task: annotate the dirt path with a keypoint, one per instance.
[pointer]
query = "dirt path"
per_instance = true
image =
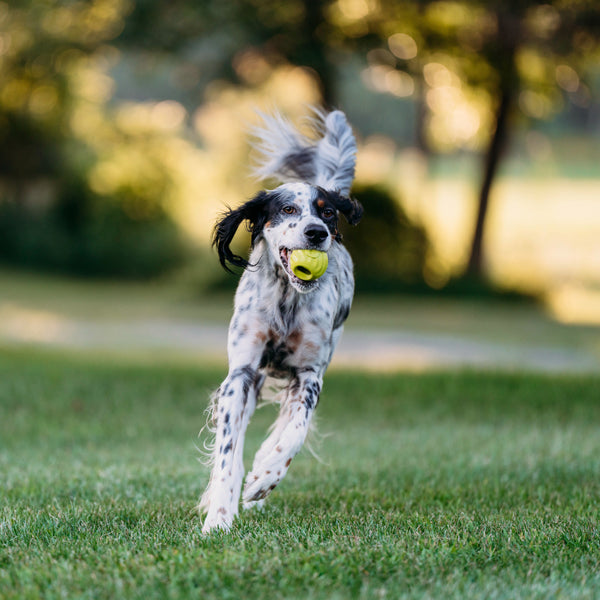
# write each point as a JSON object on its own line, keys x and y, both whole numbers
{"x": 371, "y": 349}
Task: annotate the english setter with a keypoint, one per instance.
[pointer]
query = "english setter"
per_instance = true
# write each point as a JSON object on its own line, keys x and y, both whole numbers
{"x": 283, "y": 326}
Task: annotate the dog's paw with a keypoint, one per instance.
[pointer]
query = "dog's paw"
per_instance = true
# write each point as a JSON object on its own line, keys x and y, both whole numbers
{"x": 254, "y": 505}
{"x": 261, "y": 483}
{"x": 221, "y": 518}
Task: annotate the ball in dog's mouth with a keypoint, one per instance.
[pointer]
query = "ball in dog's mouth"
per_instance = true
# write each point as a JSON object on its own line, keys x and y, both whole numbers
{"x": 308, "y": 264}
{"x": 304, "y": 265}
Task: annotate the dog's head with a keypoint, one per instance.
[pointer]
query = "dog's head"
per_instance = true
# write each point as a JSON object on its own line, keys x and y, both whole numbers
{"x": 293, "y": 216}
{"x": 303, "y": 212}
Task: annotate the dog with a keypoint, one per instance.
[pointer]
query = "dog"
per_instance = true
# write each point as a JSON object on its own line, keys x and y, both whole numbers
{"x": 283, "y": 326}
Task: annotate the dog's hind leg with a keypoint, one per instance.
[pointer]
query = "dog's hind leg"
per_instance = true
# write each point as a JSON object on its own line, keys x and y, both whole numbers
{"x": 236, "y": 401}
{"x": 285, "y": 441}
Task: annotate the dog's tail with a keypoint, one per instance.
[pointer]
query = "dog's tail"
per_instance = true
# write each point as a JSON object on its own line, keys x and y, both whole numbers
{"x": 289, "y": 156}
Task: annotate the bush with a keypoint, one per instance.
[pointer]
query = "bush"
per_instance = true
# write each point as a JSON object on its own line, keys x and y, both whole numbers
{"x": 83, "y": 234}
{"x": 388, "y": 250}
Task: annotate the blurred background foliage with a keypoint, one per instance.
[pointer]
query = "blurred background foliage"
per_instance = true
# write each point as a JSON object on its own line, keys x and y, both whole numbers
{"x": 389, "y": 251}
{"x": 123, "y": 130}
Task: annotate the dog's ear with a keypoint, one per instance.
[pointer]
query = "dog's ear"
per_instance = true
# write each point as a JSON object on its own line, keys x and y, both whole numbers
{"x": 255, "y": 213}
{"x": 350, "y": 208}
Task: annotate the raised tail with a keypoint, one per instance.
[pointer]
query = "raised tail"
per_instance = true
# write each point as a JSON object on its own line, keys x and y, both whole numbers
{"x": 290, "y": 156}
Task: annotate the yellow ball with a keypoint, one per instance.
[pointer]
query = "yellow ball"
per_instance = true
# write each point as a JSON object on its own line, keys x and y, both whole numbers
{"x": 308, "y": 264}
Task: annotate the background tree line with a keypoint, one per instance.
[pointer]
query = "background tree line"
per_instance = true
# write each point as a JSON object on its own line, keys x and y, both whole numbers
{"x": 86, "y": 186}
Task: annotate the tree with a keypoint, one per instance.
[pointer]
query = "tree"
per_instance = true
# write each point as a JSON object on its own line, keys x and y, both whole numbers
{"x": 76, "y": 192}
{"x": 215, "y": 33}
{"x": 514, "y": 57}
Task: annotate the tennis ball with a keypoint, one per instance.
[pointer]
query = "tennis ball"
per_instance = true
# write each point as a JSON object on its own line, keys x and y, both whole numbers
{"x": 308, "y": 264}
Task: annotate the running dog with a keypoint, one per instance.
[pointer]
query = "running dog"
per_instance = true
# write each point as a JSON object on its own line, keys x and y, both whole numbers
{"x": 285, "y": 324}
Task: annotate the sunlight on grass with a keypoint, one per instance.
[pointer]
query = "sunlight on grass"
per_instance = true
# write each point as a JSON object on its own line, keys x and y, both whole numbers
{"x": 542, "y": 235}
{"x": 575, "y": 305}
{"x": 30, "y": 325}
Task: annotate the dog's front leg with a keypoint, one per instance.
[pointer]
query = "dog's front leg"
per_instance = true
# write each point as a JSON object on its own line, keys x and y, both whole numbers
{"x": 275, "y": 455}
{"x": 235, "y": 403}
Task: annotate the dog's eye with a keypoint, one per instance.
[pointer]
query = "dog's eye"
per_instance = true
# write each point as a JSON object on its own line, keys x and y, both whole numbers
{"x": 289, "y": 210}
{"x": 328, "y": 213}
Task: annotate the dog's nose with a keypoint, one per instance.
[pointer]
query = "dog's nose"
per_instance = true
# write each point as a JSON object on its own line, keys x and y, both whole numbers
{"x": 315, "y": 235}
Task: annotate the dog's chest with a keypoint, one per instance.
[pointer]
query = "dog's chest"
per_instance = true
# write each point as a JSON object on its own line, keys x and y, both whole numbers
{"x": 297, "y": 336}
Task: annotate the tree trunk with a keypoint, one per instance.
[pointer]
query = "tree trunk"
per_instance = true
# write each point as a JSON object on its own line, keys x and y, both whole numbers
{"x": 509, "y": 33}
{"x": 316, "y": 52}
{"x": 492, "y": 160}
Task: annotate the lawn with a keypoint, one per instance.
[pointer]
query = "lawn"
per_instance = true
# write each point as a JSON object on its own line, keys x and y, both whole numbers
{"x": 462, "y": 484}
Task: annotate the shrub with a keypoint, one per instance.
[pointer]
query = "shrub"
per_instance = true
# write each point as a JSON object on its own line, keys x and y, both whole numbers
{"x": 83, "y": 234}
{"x": 388, "y": 249}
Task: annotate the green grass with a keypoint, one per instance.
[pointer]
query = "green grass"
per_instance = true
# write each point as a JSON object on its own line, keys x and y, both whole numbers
{"x": 464, "y": 485}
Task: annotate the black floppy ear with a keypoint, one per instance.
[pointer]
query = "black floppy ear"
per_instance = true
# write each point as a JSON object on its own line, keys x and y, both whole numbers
{"x": 255, "y": 212}
{"x": 350, "y": 208}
